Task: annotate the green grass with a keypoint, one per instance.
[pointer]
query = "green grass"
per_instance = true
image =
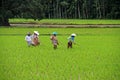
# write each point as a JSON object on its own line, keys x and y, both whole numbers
{"x": 66, "y": 21}
{"x": 94, "y": 57}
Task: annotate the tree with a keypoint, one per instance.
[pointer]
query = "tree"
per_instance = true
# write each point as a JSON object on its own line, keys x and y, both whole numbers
{"x": 63, "y": 9}
{"x": 20, "y": 8}
{"x": 75, "y": 9}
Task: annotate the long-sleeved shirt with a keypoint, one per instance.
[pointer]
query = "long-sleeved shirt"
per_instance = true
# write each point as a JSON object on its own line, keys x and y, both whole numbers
{"x": 71, "y": 38}
{"x": 28, "y": 38}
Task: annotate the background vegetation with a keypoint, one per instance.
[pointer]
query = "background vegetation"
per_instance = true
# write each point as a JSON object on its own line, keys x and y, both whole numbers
{"x": 65, "y": 21}
{"x": 62, "y": 9}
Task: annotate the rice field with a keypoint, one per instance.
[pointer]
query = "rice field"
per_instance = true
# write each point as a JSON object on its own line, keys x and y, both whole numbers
{"x": 95, "y": 56}
{"x": 67, "y": 21}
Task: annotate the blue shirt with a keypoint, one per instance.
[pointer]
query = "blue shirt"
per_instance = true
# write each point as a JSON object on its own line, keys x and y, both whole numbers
{"x": 71, "y": 38}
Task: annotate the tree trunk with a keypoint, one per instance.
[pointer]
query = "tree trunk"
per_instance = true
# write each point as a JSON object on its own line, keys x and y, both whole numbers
{"x": 4, "y": 22}
{"x": 60, "y": 12}
{"x": 79, "y": 14}
{"x": 104, "y": 9}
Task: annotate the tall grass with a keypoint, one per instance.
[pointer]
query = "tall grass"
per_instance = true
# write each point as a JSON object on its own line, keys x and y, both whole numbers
{"x": 66, "y": 21}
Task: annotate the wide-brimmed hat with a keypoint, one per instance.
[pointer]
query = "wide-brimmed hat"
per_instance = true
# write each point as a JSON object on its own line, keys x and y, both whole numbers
{"x": 36, "y": 32}
{"x": 73, "y": 34}
{"x": 54, "y": 33}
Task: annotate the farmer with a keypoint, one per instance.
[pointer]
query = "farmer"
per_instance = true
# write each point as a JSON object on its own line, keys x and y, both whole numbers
{"x": 71, "y": 40}
{"x": 35, "y": 38}
{"x": 54, "y": 40}
{"x": 28, "y": 38}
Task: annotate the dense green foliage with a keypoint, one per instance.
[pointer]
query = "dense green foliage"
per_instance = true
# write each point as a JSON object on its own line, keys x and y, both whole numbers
{"x": 82, "y": 9}
{"x": 94, "y": 57}
{"x": 78, "y": 9}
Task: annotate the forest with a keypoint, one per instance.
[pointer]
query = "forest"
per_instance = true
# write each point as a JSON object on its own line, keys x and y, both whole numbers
{"x": 59, "y": 9}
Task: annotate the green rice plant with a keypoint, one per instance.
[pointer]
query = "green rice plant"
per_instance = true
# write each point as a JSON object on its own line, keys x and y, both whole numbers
{"x": 95, "y": 56}
{"x": 65, "y": 21}
{"x": 79, "y": 21}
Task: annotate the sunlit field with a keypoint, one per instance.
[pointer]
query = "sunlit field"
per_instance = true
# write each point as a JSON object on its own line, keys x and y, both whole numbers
{"x": 66, "y": 21}
{"x": 95, "y": 56}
